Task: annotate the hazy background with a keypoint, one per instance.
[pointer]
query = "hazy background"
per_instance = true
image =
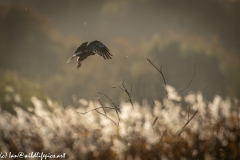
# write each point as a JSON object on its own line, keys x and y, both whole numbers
{"x": 37, "y": 37}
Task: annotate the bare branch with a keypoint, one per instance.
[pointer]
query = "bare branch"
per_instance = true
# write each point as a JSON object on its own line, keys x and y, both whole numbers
{"x": 106, "y": 117}
{"x": 188, "y": 112}
{"x": 159, "y": 70}
{"x": 155, "y": 120}
{"x": 131, "y": 89}
{"x": 163, "y": 135}
{"x": 187, "y": 122}
{"x": 105, "y": 112}
{"x": 102, "y": 106}
{"x": 94, "y": 110}
{"x": 115, "y": 106}
{"x": 124, "y": 89}
{"x": 194, "y": 67}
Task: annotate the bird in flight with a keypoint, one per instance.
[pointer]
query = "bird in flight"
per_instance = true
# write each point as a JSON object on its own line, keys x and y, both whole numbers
{"x": 87, "y": 49}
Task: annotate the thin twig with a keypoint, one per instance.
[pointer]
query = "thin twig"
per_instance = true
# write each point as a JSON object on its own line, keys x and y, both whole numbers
{"x": 155, "y": 120}
{"x": 104, "y": 111}
{"x": 102, "y": 106}
{"x": 124, "y": 89}
{"x": 159, "y": 70}
{"x": 188, "y": 112}
{"x": 194, "y": 67}
{"x": 187, "y": 122}
{"x": 131, "y": 89}
{"x": 163, "y": 135}
{"x": 63, "y": 104}
{"x": 94, "y": 109}
{"x": 106, "y": 117}
{"x": 129, "y": 94}
{"x": 115, "y": 106}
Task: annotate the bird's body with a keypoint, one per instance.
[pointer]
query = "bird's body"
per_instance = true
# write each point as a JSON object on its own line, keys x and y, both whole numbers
{"x": 85, "y": 50}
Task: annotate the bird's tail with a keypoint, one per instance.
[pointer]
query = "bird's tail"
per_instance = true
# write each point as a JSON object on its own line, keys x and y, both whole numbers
{"x": 71, "y": 58}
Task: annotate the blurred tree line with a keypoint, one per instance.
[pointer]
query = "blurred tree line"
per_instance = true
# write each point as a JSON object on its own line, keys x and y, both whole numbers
{"x": 33, "y": 51}
{"x": 16, "y": 91}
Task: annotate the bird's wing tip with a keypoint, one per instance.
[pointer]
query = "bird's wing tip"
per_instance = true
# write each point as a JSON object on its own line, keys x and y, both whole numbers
{"x": 69, "y": 59}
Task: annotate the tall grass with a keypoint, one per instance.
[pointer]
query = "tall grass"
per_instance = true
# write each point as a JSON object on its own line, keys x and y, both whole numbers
{"x": 213, "y": 133}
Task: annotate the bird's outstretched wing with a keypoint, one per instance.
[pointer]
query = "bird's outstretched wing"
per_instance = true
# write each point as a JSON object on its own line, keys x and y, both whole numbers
{"x": 79, "y": 50}
{"x": 100, "y": 49}
{"x": 81, "y": 47}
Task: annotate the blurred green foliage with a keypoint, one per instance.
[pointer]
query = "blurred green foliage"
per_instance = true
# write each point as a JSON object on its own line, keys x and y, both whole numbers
{"x": 16, "y": 91}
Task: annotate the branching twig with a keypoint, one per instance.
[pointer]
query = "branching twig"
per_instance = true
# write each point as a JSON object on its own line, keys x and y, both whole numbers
{"x": 124, "y": 89}
{"x": 102, "y": 106}
{"x": 159, "y": 70}
{"x": 187, "y": 122}
{"x": 194, "y": 67}
{"x": 107, "y": 117}
{"x": 94, "y": 110}
{"x": 115, "y": 106}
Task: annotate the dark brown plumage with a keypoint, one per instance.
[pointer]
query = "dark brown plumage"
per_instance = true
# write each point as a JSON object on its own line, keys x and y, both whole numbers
{"x": 85, "y": 50}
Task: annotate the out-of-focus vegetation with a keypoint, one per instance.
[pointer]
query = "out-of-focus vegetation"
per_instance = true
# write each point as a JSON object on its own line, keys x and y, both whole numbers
{"x": 35, "y": 45}
{"x": 213, "y": 133}
{"x": 16, "y": 91}
{"x": 36, "y": 39}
